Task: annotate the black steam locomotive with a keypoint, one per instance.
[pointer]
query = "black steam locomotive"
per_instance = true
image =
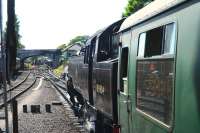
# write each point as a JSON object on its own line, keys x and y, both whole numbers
{"x": 92, "y": 80}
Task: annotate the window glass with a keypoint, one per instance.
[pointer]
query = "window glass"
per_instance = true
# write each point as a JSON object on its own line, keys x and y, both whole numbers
{"x": 141, "y": 48}
{"x": 155, "y": 76}
{"x": 123, "y": 71}
{"x": 124, "y": 61}
{"x": 158, "y": 41}
{"x": 115, "y": 46}
{"x": 86, "y": 55}
{"x": 154, "y": 41}
{"x": 154, "y": 88}
{"x": 169, "y": 39}
{"x": 82, "y": 51}
{"x": 93, "y": 46}
{"x": 126, "y": 39}
{"x": 103, "y": 48}
{"x": 93, "y": 49}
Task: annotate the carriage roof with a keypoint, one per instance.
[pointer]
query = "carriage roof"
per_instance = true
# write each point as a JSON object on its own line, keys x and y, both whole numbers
{"x": 152, "y": 9}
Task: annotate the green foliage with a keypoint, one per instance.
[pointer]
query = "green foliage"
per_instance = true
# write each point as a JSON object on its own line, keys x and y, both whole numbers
{"x": 134, "y": 5}
{"x": 18, "y": 36}
{"x": 59, "y": 70}
{"x": 78, "y": 39}
{"x": 62, "y": 46}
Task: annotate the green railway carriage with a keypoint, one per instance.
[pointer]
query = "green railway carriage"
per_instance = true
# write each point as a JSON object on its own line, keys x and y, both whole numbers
{"x": 158, "y": 72}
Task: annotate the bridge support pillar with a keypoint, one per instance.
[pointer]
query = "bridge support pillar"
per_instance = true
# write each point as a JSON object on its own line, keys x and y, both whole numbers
{"x": 22, "y": 65}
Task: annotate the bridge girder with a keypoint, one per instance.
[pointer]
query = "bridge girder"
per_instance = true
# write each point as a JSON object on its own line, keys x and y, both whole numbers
{"x": 54, "y": 54}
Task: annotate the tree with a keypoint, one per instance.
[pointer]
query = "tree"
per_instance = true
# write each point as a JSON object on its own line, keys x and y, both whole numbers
{"x": 62, "y": 46}
{"x": 18, "y": 36}
{"x": 134, "y": 5}
{"x": 79, "y": 39}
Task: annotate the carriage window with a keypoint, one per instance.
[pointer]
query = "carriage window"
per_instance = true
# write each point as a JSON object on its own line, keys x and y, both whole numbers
{"x": 158, "y": 41}
{"x": 155, "y": 76}
{"x": 154, "y": 42}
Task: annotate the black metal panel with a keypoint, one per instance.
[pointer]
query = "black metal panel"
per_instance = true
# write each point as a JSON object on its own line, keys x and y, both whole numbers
{"x": 78, "y": 71}
{"x": 106, "y": 84}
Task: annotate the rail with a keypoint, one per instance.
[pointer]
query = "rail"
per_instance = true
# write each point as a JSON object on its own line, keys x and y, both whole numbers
{"x": 61, "y": 89}
{"x": 19, "y": 94}
{"x": 17, "y": 84}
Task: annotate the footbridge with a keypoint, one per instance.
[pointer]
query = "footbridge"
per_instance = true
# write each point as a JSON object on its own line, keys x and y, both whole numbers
{"x": 53, "y": 54}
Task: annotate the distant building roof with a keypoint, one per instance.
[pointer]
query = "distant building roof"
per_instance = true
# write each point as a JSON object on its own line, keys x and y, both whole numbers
{"x": 152, "y": 9}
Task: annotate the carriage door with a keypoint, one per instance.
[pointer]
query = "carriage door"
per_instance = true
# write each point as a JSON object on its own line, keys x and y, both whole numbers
{"x": 123, "y": 95}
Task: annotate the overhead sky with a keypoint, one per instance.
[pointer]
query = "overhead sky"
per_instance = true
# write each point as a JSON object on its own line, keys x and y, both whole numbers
{"x": 45, "y": 24}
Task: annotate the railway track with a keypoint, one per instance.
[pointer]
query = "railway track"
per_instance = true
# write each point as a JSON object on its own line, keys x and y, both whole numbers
{"x": 60, "y": 86}
{"x": 18, "y": 84}
{"x": 20, "y": 88}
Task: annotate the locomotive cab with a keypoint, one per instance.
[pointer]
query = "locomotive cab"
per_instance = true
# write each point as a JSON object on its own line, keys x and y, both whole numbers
{"x": 94, "y": 78}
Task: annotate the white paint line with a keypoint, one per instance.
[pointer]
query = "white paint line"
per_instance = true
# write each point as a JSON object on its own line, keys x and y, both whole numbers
{"x": 39, "y": 85}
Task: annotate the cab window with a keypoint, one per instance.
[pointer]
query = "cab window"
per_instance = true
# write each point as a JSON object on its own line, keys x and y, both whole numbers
{"x": 103, "y": 48}
{"x": 86, "y": 55}
{"x": 115, "y": 46}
